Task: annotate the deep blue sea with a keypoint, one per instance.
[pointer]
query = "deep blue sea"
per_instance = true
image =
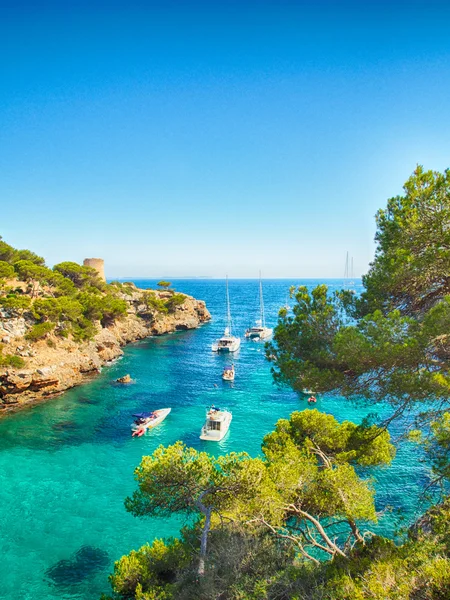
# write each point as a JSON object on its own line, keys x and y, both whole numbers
{"x": 67, "y": 465}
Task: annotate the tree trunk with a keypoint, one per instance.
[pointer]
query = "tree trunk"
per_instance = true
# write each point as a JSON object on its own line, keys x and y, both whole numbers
{"x": 356, "y": 531}
{"x": 203, "y": 542}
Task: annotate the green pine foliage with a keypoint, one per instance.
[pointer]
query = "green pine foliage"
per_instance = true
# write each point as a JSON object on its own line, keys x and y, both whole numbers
{"x": 6, "y": 270}
{"x": 70, "y": 299}
{"x": 295, "y": 523}
{"x": 39, "y": 331}
{"x": 11, "y": 360}
{"x": 154, "y": 303}
{"x": 15, "y": 302}
{"x": 11, "y": 255}
{"x": 174, "y": 301}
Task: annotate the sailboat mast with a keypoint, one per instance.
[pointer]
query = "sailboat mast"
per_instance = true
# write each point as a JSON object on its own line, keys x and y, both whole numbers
{"x": 261, "y": 302}
{"x": 346, "y": 271}
{"x": 228, "y": 310}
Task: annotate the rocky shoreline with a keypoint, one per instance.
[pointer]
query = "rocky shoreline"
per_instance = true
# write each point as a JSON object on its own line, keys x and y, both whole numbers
{"x": 55, "y": 364}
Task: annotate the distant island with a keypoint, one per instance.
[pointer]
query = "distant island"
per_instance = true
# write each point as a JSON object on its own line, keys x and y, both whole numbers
{"x": 58, "y": 325}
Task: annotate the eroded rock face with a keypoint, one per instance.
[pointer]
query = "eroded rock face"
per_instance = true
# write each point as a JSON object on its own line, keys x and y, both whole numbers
{"x": 51, "y": 369}
{"x": 12, "y": 327}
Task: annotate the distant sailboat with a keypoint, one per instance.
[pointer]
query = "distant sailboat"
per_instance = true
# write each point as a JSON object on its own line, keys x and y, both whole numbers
{"x": 349, "y": 283}
{"x": 228, "y": 342}
{"x": 259, "y": 330}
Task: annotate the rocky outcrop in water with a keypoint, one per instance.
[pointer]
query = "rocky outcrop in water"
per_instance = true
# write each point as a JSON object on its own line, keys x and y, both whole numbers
{"x": 55, "y": 364}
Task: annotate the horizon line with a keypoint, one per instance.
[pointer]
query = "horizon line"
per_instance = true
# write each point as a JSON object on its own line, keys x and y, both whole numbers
{"x": 203, "y": 277}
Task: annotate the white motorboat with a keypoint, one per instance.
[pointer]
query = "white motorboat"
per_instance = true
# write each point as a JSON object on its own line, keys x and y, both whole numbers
{"x": 259, "y": 331}
{"x": 144, "y": 421}
{"x": 216, "y": 425}
{"x": 228, "y": 373}
{"x": 228, "y": 342}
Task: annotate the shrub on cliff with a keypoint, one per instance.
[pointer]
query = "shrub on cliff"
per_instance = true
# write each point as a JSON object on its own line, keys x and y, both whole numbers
{"x": 57, "y": 309}
{"x": 10, "y": 360}
{"x": 81, "y": 276}
{"x": 6, "y": 270}
{"x": 174, "y": 301}
{"x": 6, "y": 251}
{"x": 28, "y": 255}
{"x": 164, "y": 284}
{"x": 11, "y": 255}
{"x": 112, "y": 308}
{"x": 15, "y": 303}
{"x": 104, "y": 308}
{"x": 154, "y": 303}
{"x": 125, "y": 288}
{"x": 39, "y": 331}
{"x": 83, "y": 330}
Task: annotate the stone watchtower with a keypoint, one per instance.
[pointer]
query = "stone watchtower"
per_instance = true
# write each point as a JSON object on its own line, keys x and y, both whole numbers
{"x": 98, "y": 264}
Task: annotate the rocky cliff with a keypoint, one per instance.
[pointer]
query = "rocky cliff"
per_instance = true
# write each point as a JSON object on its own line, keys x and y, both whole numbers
{"x": 54, "y": 364}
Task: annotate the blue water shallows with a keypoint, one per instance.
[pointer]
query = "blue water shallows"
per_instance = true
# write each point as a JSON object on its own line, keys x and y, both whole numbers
{"x": 67, "y": 465}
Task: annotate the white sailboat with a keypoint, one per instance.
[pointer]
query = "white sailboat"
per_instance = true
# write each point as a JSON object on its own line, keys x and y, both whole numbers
{"x": 349, "y": 283}
{"x": 259, "y": 331}
{"x": 228, "y": 342}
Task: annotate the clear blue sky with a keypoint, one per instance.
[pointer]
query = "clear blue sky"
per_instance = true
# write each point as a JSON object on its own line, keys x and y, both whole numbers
{"x": 204, "y": 138}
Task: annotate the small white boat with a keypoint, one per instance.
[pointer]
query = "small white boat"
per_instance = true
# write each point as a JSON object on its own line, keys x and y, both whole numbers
{"x": 228, "y": 342}
{"x": 145, "y": 421}
{"x": 259, "y": 331}
{"x": 216, "y": 425}
{"x": 228, "y": 373}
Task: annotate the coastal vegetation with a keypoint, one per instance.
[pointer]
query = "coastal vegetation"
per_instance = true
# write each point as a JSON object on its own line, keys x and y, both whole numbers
{"x": 58, "y": 324}
{"x": 69, "y": 300}
{"x": 295, "y": 522}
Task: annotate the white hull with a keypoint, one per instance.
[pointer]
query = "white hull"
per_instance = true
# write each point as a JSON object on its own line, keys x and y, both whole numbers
{"x": 259, "y": 333}
{"x": 228, "y": 375}
{"x": 210, "y": 432}
{"x": 227, "y": 344}
{"x": 161, "y": 414}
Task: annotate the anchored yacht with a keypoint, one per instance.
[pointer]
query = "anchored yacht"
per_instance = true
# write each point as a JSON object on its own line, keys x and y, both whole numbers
{"x": 216, "y": 425}
{"x": 148, "y": 420}
{"x": 228, "y": 342}
{"x": 259, "y": 331}
{"x": 228, "y": 373}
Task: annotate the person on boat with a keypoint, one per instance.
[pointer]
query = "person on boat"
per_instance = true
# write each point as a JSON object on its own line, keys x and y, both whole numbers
{"x": 312, "y": 399}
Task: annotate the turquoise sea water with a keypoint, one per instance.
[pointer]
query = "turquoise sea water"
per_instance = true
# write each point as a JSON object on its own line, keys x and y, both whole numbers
{"x": 67, "y": 465}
